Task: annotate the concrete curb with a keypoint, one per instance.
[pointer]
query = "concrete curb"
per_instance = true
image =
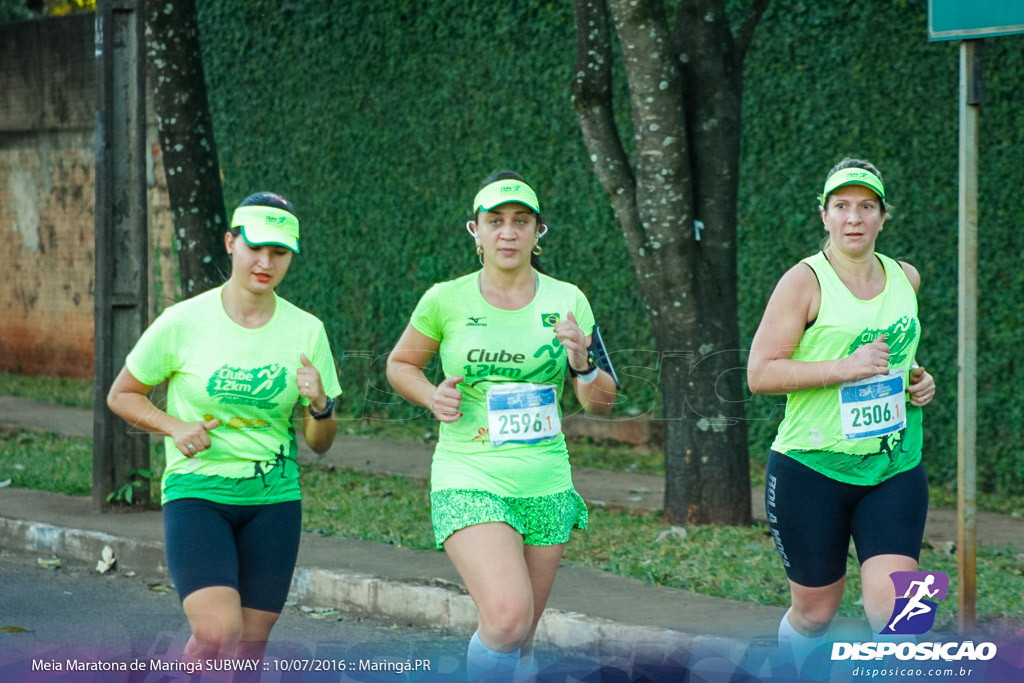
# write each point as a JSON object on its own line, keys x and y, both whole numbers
{"x": 415, "y": 602}
{"x": 421, "y": 602}
{"x": 79, "y": 544}
{"x": 435, "y": 607}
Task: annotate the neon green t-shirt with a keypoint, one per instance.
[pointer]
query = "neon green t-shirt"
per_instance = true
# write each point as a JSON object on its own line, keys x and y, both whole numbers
{"x": 243, "y": 377}
{"x": 812, "y": 431}
{"x": 491, "y": 346}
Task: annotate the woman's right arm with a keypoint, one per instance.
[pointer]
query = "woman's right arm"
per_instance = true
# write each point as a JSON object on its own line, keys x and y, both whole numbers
{"x": 405, "y": 366}
{"x": 128, "y": 398}
{"x": 770, "y": 366}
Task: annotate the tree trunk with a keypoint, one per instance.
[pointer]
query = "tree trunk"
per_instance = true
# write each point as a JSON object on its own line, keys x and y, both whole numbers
{"x": 186, "y": 138}
{"x": 707, "y": 473}
{"x": 685, "y": 93}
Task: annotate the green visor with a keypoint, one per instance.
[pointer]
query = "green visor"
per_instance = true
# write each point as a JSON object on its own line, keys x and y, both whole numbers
{"x": 853, "y": 176}
{"x": 503, "y": 192}
{"x": 262, "y": 225}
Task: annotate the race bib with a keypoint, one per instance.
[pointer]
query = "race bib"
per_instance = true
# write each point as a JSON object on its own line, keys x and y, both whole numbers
{"x": 522, "y": 412}
{"x": 874, "y": 406}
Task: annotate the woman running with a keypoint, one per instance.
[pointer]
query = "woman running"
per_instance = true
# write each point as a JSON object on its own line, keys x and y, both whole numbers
{"x": 238, "y": 358}
{"x": 839, "y": 336}
{"x": 502, "y": 498}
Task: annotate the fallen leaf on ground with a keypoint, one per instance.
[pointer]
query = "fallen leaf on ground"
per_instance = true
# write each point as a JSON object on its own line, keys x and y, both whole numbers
{"x": 49, "y": 562}
{"x": 107, "y": 560}
{"x": 318, "y": 612}
{"x": 671, "y": 532}
{"x": 323, "y": 615}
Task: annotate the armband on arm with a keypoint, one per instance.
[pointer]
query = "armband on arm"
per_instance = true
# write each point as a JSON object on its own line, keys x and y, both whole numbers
{"x": 597, "y": 358}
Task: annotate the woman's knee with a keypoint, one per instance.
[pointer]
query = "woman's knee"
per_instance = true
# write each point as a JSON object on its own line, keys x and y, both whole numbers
{"x": 508, "y": 623}
{"x": 811, "y": 619}
{"x": 215, "y": 638}
{"x": 215, "y": 617}
{"x": 814, "y": 608}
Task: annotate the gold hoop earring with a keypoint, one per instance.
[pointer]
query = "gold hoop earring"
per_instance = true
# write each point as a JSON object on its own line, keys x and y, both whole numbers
{"x": 537, "y": 249}
{"x": 480, "y": 252}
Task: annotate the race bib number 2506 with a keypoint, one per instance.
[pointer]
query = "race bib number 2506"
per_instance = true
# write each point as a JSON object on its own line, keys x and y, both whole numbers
{"x": 874, "y": 406}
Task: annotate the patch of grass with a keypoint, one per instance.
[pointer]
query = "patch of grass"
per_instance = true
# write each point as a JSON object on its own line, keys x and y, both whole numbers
{"x": 422, "y": 431}
{"x": 944, "y": 496}
{"x": 68, "y": 392}
{"x": 46, "y": 461}
{"x": 380, "y": 508}
{"x": 619, "y": 457}
{"x": 735, "y": 562}
{"x": 1000, "y": 575}
{"x": 740, "y": 563}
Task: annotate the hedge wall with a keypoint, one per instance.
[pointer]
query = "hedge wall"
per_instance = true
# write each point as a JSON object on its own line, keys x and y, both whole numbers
{"x": 379, "y": 120}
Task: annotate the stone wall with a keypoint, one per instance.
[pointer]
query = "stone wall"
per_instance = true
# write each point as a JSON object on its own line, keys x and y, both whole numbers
{"x": 47, "y": 199}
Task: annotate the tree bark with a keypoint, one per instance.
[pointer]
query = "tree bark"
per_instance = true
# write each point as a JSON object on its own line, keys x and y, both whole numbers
{"x": 186, "y": 139}
{"x": 685, "y": 98}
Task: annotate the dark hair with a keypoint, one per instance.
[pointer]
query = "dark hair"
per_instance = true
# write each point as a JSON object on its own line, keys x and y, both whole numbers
{"x": 856, "y": 163}
{"x": 512, "y": 175}
{"x": 271, "y": 199}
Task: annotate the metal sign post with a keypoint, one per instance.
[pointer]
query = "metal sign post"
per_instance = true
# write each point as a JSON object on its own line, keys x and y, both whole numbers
{"x": 969, "y": 21}
{"x": 971, "y": 93}
{"x": 122, "y": 278}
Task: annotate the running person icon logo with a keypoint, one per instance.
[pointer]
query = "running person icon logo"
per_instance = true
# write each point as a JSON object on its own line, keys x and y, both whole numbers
{"x": 914, "y": 612}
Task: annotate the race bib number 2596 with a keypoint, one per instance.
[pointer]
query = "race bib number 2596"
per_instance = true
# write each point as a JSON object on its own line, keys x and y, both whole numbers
{"x": 522, "y": 412}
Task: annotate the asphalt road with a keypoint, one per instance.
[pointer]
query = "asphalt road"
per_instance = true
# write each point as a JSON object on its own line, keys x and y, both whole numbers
{"x": 73, "y": 613}
{"x": 75, "y": 617}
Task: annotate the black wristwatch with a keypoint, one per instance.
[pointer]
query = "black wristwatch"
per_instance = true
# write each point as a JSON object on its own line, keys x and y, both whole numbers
{"x": 327, "y": 411}
{"x": 591, "y": 366}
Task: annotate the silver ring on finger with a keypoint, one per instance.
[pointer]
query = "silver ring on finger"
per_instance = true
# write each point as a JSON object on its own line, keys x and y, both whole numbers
{"x": 191, "y": 447}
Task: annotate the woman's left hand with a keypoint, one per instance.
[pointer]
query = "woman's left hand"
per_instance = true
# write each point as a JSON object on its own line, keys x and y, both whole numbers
{"x": 922, "y": 387}
{"x": 310, "y": 386}
{"x": 570, "y": 335}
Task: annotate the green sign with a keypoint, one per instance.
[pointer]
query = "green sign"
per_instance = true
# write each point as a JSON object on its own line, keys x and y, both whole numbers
{"x": 968, "y": 19}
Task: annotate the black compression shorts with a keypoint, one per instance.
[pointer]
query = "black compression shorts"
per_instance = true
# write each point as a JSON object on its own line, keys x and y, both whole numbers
{"x": 251, "y": 548}
{"x": 813, "y": 517}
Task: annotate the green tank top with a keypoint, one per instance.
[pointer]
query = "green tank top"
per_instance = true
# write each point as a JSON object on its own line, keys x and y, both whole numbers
{"x": 858, "y": 433}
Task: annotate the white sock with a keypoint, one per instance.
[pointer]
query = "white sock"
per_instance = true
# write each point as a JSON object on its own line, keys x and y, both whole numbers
{"x": 485, "y": 664}
{"x": 526, "y": 670}
{"x": 795, "y": 644}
